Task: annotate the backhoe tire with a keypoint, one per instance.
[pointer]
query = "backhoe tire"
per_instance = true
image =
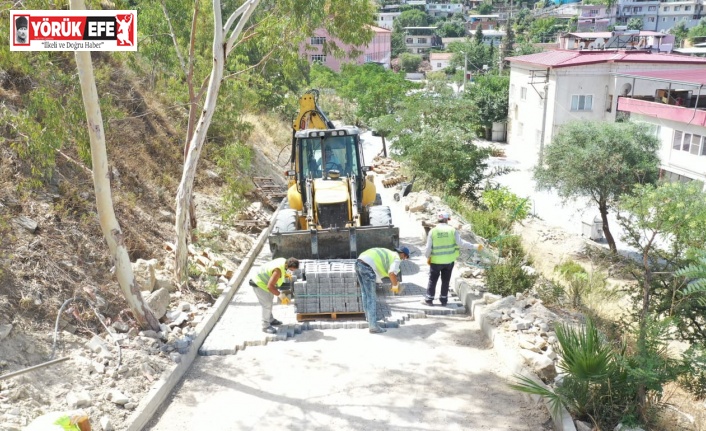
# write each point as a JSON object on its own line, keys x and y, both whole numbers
{"x": 286, "y": 221}
{"x": 380, "y": 216}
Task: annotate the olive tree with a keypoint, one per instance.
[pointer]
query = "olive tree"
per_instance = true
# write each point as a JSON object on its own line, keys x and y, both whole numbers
{"x": 600, "y": 161}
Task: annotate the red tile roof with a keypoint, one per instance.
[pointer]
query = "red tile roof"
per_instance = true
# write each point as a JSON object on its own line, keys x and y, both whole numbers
{"x": 566, "y": 58}
{"x": 697, "y": 77}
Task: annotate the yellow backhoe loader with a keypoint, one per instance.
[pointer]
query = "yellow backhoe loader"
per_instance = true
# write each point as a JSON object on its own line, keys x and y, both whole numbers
{"x": 332, "y": 210}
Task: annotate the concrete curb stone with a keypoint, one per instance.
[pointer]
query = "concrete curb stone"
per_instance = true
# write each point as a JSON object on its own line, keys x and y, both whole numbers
{"x": 161, "y": 389}
{"x": 513, "y": 362}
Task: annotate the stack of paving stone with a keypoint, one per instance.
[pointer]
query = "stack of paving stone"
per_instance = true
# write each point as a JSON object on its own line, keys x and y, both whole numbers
{"x": 328, "y": 286}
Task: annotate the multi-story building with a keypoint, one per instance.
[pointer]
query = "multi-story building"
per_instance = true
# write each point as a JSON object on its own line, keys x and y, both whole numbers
{"x": 550, "y": 88}
{"x": 659, "y": 15}
{"x": 444, "y": 9}
{"x": 420, "y": 40}
{"x": 379, "y": 50}
{"x": 485, "y": 22}
{"x": 677, "y": 111}
{"x": 595, "y": 17}
{"x": 387, "y": 16}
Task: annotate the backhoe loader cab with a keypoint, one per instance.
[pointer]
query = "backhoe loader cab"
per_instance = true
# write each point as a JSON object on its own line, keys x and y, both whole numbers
{"x": 333, "y": 210}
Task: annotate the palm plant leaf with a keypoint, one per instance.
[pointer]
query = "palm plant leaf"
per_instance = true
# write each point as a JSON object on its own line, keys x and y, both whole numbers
{"x": 584, "y": 355}
{"x": 529, "y": 386}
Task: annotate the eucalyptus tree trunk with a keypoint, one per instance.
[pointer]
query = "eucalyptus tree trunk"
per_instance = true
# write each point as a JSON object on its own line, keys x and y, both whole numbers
{"x": 223, "y": 40}
{"x": 104, "y": 201}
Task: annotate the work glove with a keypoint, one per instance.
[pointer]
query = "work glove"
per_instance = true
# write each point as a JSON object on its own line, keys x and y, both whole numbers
{"x": 283, "y": 298}
{"x": 479, "y": 247}
{"x": 428, "y": 260}
{"x": 396, "y": 289}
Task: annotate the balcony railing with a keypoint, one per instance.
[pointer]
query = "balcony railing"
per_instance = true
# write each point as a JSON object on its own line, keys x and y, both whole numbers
{"x": 681, "y": 114}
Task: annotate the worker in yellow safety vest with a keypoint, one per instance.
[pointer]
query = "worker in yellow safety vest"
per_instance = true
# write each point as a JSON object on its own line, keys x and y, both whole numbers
{"x": 371, "y": 267}
{"x": 442, "y": 250}
{"x": 265, "y": 284}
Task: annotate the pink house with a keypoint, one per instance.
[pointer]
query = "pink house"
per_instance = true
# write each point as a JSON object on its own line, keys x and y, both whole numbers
{"x": 379, "y": 50}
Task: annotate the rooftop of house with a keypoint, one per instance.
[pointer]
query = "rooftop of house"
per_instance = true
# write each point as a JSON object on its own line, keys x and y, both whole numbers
{"x": 568, "y": 58}
{"x": 441, "y": 56}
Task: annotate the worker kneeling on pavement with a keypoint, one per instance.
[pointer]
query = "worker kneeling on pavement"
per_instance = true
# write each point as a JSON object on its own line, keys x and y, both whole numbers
{"x": 442, "y": 250}
{"x": 371, "y": 267}
{"x": 265, "y": 284}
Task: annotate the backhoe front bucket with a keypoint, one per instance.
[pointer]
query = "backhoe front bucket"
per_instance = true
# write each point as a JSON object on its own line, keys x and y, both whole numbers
{"x": 344, "y": 243}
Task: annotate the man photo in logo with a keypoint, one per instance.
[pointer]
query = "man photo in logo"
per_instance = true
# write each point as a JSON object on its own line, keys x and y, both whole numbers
{"x": 21, "y": 34}
{"x": 75, "y": 30}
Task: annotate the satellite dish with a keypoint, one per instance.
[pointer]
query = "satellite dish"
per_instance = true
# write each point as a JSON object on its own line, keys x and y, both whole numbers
{"x": 626, "y": 89}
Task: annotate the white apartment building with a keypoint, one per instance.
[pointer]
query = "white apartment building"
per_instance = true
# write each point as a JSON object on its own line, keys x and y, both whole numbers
{"x": 680, "y": 124}
{"x": 658, "y": 15}
{"x": 444, "y": 9}
{"x": 551, "y": 88}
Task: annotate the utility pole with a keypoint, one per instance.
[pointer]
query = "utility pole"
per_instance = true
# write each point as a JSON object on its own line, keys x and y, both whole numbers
{"x": 465, "y": 69}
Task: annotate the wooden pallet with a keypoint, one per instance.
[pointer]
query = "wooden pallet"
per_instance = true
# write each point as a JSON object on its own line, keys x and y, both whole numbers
{"x": 268, "y": 191}
{"x": 334, "y": 315}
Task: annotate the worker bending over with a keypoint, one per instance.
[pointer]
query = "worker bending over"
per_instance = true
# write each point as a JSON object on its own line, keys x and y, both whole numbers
{"x": 442, "y": 250}
{"x": 371, "y": 267}
{"x": 265, "y": 284}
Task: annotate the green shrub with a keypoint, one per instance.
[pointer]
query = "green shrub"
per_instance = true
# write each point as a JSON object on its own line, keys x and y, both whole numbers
{"x": 508, "y": 278}
{"x": 581, "y": 284}
{"x": 550, "y": 292}
{"x": 569, "y": 268}
{"x": 488, "y": 224}
{"x": 510, "y": 245}
{"x": 502, "y": 199}
{"x": 602, "y": 380}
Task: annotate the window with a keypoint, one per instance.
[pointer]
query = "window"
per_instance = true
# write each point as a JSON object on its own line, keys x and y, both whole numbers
{"x": 593, "y": 12}
{"x": 687, "y": 142}
{"x": 676, "y": 141}
{"x": 677, "y": 8}
{"x": 409, "y": 40}
{"x": 637, "y": 9}
{"x": 318, "y": 58}
{"x": 651, "y": 19}
{"x": 666, "y": 8}
{"x": 696, "y": 141}
{"x": 652, "y": 8}
{"x": 581, "y": 103}
{"x": 318, "y": 40}
{"x": 421, "y": 40}
{"x": 523, "y": 93}
{"x": 438, "y": 64}
{"x": 664, "y": 19}
{"x": 686, "y": 8}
